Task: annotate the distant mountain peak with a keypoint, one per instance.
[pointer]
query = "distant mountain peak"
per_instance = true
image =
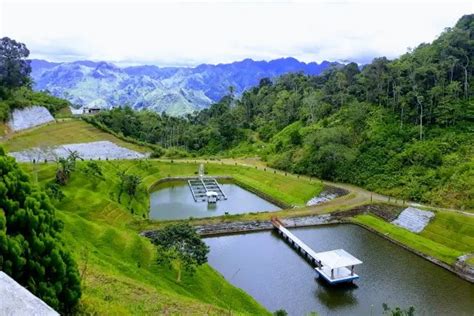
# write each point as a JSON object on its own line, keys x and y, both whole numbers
{"x": 176, "y": 90}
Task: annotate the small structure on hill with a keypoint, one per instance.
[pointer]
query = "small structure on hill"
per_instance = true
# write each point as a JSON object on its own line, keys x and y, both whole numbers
{"x": 91, "y": 110}
{"x": 75, "y": 111}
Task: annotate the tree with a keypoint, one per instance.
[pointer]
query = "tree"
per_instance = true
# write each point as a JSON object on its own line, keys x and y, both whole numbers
{"x": 128, "y": 183}
{"x": 132, "y": 183}
{"x": 14, "y": 68}
{"x": 181, "y": 246}
{"x": 65, "y": 167}
{"x": 314, "y": 108}
{"x": 31, "y": 251}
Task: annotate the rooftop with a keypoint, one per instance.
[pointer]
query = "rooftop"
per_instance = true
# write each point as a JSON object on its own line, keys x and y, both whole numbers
{"x": 337, "y": 259}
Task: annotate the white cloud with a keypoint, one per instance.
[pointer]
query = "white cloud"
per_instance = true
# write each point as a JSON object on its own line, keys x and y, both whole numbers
{"x": 192, "y": 32}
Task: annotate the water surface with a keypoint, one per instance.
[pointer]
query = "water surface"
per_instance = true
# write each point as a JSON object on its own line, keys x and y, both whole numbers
{"x": 264, "y": 266}
{"x": 175, "y": 201}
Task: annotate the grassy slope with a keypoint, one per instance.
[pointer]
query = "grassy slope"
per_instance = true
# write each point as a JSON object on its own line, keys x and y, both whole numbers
{"x": 121, "y": 276}
{"x": 447, "y": 237}
{"x": 63, "y": 132}
{"x": 120, "y": 271}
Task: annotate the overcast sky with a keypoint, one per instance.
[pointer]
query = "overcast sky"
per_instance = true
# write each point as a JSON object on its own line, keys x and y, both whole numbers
{"x": 192, "y": 32}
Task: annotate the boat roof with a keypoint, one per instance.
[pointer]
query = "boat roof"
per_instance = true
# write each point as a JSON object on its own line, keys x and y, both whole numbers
{"x": 337, "y": 259}
{"x": 211, "y": 193}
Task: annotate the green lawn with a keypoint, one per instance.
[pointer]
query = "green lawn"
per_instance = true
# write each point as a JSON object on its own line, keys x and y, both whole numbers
{"x": 446, "y": 238}
{"x": 67, "y": 131}
{"x": 453, "y": 230}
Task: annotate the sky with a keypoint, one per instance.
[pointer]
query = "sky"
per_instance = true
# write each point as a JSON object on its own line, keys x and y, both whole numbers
{"x": 188, "y": 33}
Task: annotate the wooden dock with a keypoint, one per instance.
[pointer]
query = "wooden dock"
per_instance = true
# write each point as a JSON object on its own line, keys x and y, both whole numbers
{"x": 335, "y": 266}
{"x": 202, "y": 185}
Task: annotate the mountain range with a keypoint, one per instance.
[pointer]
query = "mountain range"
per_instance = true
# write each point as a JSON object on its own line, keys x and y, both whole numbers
{"x": 174, "y": 90}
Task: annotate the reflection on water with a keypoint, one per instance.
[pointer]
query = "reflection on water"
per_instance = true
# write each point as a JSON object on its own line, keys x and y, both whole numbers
{"x": 336, "y": 295}
{"x": 175, "y": 201}
{"x": 276, "y": 276}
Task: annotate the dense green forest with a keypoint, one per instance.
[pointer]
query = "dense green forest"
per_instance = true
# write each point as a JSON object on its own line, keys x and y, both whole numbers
{"x": 403, "y": 127}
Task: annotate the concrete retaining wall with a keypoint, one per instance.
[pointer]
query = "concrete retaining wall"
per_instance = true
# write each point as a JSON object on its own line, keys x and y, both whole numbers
{"x": 29, "y": 117}
{"x": 16, "y": 300}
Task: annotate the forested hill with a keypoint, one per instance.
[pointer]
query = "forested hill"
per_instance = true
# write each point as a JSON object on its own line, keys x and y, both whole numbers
{"x": 174, "y": 90}
{"x": 402, "y": 127}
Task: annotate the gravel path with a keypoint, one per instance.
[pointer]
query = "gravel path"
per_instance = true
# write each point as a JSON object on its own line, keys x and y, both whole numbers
{"x": 94, "y": 150}
{"x": 29, "y": 117}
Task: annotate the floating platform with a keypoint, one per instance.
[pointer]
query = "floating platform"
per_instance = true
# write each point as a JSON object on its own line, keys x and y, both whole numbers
{"x": 202, "y": 187}
{"x": 335, "y": 266}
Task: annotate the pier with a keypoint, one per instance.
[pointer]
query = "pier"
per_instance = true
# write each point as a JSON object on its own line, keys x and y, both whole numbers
{"x": 335, "y": 266}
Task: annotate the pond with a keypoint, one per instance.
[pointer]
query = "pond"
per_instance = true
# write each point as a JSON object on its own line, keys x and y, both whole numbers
{"x": 264, "y": 266}
{"x": 173, "y": 200}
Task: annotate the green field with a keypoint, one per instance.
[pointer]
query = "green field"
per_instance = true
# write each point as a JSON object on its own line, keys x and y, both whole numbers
{"x": 67, "y": 131}
{"x": 446, "y": 238}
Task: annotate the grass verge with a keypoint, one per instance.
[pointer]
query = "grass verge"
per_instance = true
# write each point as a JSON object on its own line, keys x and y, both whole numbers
{"x": 439, "y": 239}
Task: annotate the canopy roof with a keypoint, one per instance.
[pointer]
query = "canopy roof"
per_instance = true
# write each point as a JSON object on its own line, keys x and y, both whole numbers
{"x": 337, "y": 259}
